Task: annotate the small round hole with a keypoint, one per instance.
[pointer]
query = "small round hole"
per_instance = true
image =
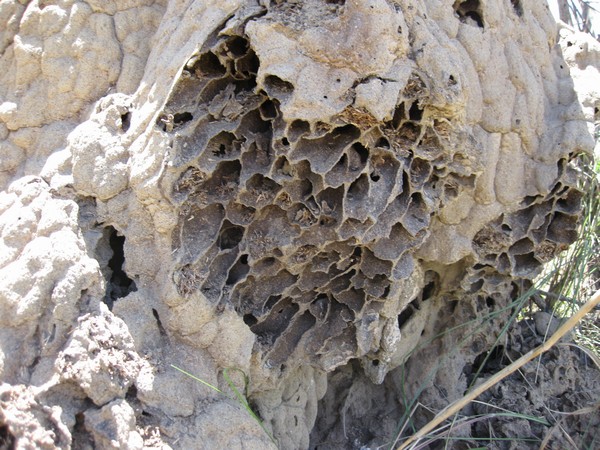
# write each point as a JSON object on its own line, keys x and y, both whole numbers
{"x": 249, "y": 319}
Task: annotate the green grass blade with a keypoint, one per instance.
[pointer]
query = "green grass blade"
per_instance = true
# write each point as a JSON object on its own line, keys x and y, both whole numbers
{"x": 214, "y": 388}
{"x": 241, "y": 399}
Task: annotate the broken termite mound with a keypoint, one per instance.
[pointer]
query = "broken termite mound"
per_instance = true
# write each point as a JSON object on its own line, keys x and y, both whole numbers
{"x": 305, "y": 191}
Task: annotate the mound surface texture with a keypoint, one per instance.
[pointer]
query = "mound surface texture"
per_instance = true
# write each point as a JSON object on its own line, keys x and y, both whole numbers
{"x": 303, "y": 192}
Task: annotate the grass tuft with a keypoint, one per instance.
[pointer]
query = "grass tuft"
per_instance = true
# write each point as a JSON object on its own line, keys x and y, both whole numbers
{"x": 241, "y": 399}
{"x": 562, "y": 290}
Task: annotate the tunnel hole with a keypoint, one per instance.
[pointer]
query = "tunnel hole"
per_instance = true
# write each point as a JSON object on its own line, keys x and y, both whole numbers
{"x": 518, "y": 7}
{"x": 420, "y": 170}
{"x": 341, "y": 164}
{"x": 250, "y": 320}
{"x": 238, "y": 272}
{"x": 405, "y": 315}
{"x": 268, "y": 110}
{"x": 415, "y": 112}
{"x": 245, "y": 86}
{"x": 271, "y": 301}
{"x": 327, "y": 221}
{"x": 362, "y": 151}
{"x": 375, "y": 362}
{"x": 526, "y": 264}
{"x": 223, "y": 145}
{"x": 7, "y": 440}
{"x": 475, "y": 17}
{"x": 306, "y": 189}
{"x": 237, "y": 46}
{"x": 359, "y": 189}
{"x": 159, "y": 324}
{"x": 335, "y": 2}
{"x": 346, "y": 133}
{"x": 503, "y": 263}
{"x": 399, "y": 115}
{"x": 561, "y": 165}
{"x": 469, "y": 12}
{"x": 558, "y": 189}
{"x": 319, "y": 307}
{"x": 276, "y": 87}
{"x": 452, "y": 305}
{"x": 490, "y": 362}
{"x": 476, "y": 287}
{"x": 297, "y": 129}
{"x": 410, "y": 131}
{"x": 262, "y": 187}
{"x": 281, "y": 166}
{"x": 230, "y": 235}
{"x": 247, "y": 66}
{"x": 521, "y": 247}
{"x": 562, "y": 228}
{"x": 386, "y": 291}
{"x": 226, "y": 172}
{"x": 119, "y": 285}
{"x": 570, "y": 202}
{"x": 79, "y": 433}
{"x": 208, "y": 65}
{"x": 125, "y": 121}
{"x": 530, "y": 200}
{"x": 132, "y": 393}
{"x": 181, "y": 118}
{"x": 382, "y": 143}
{"x": 276, "y": 322}
{"x": 432, "y": 285}
{"x": 450, "y": 192}
{"x": 254, "y": 123}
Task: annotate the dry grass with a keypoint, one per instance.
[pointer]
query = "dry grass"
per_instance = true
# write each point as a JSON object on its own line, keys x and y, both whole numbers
{"x": 569, "y": 288}
{"x": 459, "y": 404}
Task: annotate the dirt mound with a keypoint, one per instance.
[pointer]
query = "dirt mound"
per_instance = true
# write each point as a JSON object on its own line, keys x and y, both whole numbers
{"x": 305, "y": 193}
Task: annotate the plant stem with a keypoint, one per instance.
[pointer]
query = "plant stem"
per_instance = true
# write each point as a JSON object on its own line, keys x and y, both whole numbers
{"x": 459, "y": 404}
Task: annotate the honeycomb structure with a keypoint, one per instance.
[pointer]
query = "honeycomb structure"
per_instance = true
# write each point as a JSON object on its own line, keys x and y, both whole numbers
{"x": 309, "y": 229}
